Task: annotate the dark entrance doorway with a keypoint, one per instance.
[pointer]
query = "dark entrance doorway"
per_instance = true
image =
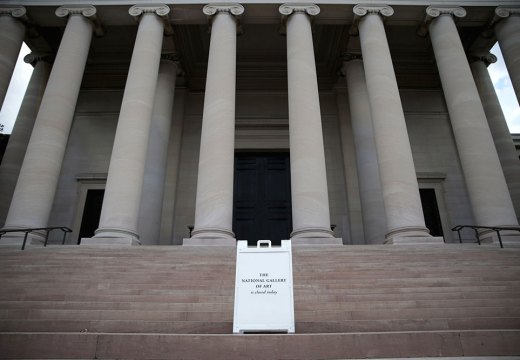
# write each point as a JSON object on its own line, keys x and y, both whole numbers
{"x": 432, "y": 217}
{"x": 91, "y": 213}
{"x": 262, "y": 197}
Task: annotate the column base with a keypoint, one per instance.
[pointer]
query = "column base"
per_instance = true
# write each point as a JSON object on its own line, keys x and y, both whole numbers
{"x": 306, "y": 241}
{"x": 509, "y": 237}
{"x": 112, "y": 237}
{"x": 415, "y": 240}
{"x": 109, "y": 241}
{"x": 408, "y": 231}
{"x": 314, "y": 232}
{"x": 206, "y": 241}
{"x": 212, "y": 233}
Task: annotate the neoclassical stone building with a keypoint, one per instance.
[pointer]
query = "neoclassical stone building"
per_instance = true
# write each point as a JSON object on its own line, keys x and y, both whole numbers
{"x": 332, "y": 121}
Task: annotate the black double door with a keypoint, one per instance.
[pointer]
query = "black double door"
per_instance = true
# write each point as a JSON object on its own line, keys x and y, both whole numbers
{"x": 431, "y": 213}
{"x": 262, "y": 197}
{"x": 91, "y": 213}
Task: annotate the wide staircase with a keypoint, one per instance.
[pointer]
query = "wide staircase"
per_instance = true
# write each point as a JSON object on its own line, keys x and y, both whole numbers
{"x": 406, "y": 301}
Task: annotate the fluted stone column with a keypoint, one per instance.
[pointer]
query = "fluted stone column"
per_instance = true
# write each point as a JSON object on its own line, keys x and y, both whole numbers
{"x": 310, "y": 202}
{"x": 19, "y": 139}
{"x": 507, "y": 31}
{"x": 120, "y": 211}
{"x": 36, "y": 186}
{"x": 12, "y": 32}
{"x": 498, "y": 126}
{"x": 155, "y": 167}
{"x": 404, "y": 215}
{"x": 214, "y": 200}
{"x": 371, "y": 196}
{"x": 488, "y": 192}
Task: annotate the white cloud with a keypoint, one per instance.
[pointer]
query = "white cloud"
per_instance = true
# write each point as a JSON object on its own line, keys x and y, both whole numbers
{"x": 16, "y": 91}
{"x": 505, "y": 92}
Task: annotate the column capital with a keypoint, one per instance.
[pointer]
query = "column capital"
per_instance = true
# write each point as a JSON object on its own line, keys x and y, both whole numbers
{"x": 175, "y": 58}
{"x": 234, "y": 9}
{"x": 361, "y": 10}
{"x": 364, "y": 9}
{"x": 435, "y": 11}
{"x": 20, "y": 13}
{"x": 501, "y": 13}
{"x": 505, "y": 12}
{"x": 35, "y": 57}
{"x": 288, "y": 9}
{"x": 438, "y": 10}
{"x": 87, "y": 11}
{"x": 231, "y": 8}
{"x": 15, "y": 11}
{"x": 161, "y": 10}
{"x": 487, "y": 59}
{"x": 291, "y": 8}
{"x": 348, "y": 57}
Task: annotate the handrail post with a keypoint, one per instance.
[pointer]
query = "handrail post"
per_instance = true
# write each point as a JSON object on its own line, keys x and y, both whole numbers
{"x": 499, "y": 238}
{"x": 46, "y": 237}
{"x": 64, "y": 236}
{"x": 25, "y": 240}
{"x": 476, "y": 234}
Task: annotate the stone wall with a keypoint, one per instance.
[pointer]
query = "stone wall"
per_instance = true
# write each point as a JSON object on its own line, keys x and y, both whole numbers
{"x": 262, "y": 125}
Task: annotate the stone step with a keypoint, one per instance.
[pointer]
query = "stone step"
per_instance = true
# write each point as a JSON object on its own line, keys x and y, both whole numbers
{"x": 153, "y": 303}
{"x": 412, "y": 314}
{"x": 132, "y": 325}
{"x": 424, "y": 301}
{"x": 275, "y": 346}
{"x": 341, "y": 276}
{"x": 348, "y": 326}
{"x": 301, "y": 295}
{"x": 118, "y": 326}
{"x": 303, "y": 305}
{"x": 300, "y": 315}
{"x": 195, "y": 282}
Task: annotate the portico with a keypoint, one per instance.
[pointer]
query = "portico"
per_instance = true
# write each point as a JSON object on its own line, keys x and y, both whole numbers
{"x": 265, "y": 79}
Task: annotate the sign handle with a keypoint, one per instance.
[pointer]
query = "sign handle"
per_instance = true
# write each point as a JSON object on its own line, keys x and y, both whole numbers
{"x": 259, "y": 243}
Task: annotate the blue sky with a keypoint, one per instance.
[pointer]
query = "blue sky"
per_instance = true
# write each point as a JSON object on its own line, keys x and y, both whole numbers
{"x": 504, "y": 88}
{"x": 13, "y": 99}
{"x": 497, "y": 71}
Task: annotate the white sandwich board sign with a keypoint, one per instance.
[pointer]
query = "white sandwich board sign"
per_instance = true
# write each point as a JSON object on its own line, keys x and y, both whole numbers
{"x": 264, "y": 300}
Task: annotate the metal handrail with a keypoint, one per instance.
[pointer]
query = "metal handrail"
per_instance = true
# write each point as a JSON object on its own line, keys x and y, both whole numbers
{"x": 476, "y": 228}
{"x": 46, "y": 229}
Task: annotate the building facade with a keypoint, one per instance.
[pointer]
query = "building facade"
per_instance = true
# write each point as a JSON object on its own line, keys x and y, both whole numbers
{"x": 204, "y": 123}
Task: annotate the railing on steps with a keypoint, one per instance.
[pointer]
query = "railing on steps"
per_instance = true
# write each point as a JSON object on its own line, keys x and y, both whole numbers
{"x": 476, "y": 228}
{"x": 46, "y": 229}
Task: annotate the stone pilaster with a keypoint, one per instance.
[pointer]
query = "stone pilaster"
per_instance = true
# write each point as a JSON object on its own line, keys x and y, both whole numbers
{"x": 488, "y": 192}
{"x": 19, "y": 139}
{"x": 498, "y": 126}
{"x": 214, "y": 200}
{"x": 12, "y": 32}
{"x": 309, "y": 194}
{"x": 155, "y": 169}
{"x": 120, "y": 211}
{"x": 404, "y": 216}
{"x": 507, "y": 30}
{"x": 36, "y": 186}
{"x": 371, "y": 197}
{"x": 172, "y": 170}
